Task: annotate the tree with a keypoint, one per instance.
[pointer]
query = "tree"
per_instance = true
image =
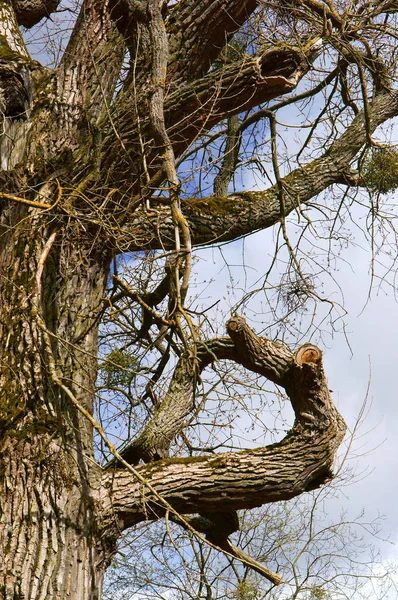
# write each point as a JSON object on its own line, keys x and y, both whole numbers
{"x": 319, "y": 559}
{"x": 89, "y": 156}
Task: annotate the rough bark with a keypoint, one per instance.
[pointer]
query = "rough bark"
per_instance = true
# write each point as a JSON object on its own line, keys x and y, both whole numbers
{"x": 301, "y": 462}
{"x": 214, "y": 219}
{"x": 30, "y": 12}
{"x": 49, "y": 544}
{"x": 230, "y": 158}
{"x": 192, "y": 109}
{"x": 79, "y": 160}
{"x": 200, "y": 31}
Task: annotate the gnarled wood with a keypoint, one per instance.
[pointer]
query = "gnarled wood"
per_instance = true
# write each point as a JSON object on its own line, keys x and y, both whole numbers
{"x": 81, "y": 158}
{"x": 317, "y": 423}
{"x": 301, "y": 461}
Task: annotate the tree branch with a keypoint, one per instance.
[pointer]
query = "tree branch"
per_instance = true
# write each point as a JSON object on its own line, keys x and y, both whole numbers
{"x": 300, "y": 462}
{"x": 92, "y": 61}
{"x": 16, "y": 86}
{"x": 207, "y": 525}
{"x": 202, "y": 23}
{"x": 196, "y": 107}
{"x": 11, "y": 40}
{"x": 154, "y": 441}
{"x": 216, "y": 219}
{"x": 30, "y": 12}
{"x": 230, "y": 158}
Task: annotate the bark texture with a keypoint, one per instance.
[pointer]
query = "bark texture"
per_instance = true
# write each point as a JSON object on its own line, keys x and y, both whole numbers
{"x": 301, "y": 462}
{"x": 85, "y": 148}
{"x": 49, "y": 545}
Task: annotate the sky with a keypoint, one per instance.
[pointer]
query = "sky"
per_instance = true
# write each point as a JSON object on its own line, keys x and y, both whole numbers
{"x": 360, "y": 364}
{"x": 361, "y": 356}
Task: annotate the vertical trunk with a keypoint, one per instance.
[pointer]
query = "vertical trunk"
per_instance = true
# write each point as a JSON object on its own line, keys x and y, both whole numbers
{"x": 50, "y": 544}
{"x": 48, "y": 535}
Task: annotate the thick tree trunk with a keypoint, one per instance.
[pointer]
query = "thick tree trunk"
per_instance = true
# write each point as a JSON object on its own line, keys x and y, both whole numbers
{"x": 51, "y": 296}
{"x": 49, "y": 543}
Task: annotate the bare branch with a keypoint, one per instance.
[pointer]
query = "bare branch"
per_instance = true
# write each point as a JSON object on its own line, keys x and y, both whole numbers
{"x": 194, "y": 108}
{"x": 231, "y": 153}
{"x": 216, "y": 219}
{"x": 231, "y": 481}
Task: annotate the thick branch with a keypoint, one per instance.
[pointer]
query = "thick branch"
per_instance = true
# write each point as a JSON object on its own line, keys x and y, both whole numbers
{"x": 16, "y": 86}
{"x": 194, "y": 108}
{"x": 260, "y": 355}
{"x": 231, "y": 481}
{"x": 238, "y": 86}
{"x": 30, "y": 12}
{"x": 126, "y": 14}
{"x": 92, "y": 61}
{"x": 217, "y": 219}
{"x": 169, "y": 419}
{"x": 239, "y": 480}
{"x": 199, "y": 30}
{"x": 11, "y": 40}
{"x": 68, "y": 103}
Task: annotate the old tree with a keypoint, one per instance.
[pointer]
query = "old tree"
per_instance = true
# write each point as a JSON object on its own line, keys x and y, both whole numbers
{"x": 90, "y": 150}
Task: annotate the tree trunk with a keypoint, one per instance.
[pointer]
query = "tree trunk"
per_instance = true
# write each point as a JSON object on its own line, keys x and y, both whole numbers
{"x": 50, "y": 546}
